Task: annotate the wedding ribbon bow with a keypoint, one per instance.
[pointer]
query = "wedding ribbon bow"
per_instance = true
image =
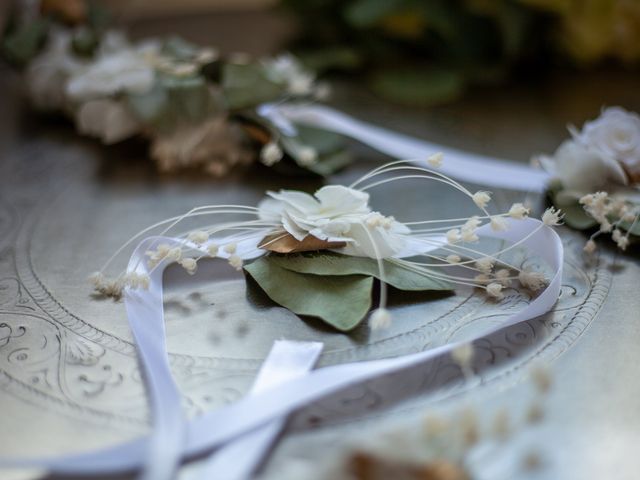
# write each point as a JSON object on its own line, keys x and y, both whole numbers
{"x": 175, "y": 438}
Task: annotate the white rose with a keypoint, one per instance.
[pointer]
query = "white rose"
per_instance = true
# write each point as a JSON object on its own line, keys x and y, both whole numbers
{"x": 127, "y": 70}
{"x": 336, "y": 214}
{"x": 615, "y": 134}
{"x": 580, "y": 169}
{"x": 47, "y": 75}
{"x": 107, "y": 119}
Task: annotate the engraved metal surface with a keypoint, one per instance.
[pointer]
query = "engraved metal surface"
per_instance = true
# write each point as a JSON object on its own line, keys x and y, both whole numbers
{"x": 67, "y": 366}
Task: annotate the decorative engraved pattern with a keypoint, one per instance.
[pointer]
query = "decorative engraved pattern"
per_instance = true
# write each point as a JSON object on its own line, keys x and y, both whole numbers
{"x": 56, "y": 360}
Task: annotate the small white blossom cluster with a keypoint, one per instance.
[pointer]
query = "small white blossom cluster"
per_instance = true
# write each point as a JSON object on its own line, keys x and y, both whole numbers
{"x": 610, "y": 213}
{"x": 115, "y": 287}
{"x": 594, "y": 168}
{"x": 171, "y": 254}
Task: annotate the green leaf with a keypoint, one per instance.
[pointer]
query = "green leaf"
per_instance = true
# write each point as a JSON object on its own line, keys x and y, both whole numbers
{"x": 331, "y": 163}
{"x": 576, "y": 217}
{"x": 173, "y": 100}
{"x": 332, "y": 156}
{"x": 334, "y": 264}
{"x": 179, "y": 49}
{"x": 342, "y": 302}
{"x": 323, "y": 141}
{"x": 418, "y": 87}
{"x": 246, "y": 86}
{"x": 23, "y": 42}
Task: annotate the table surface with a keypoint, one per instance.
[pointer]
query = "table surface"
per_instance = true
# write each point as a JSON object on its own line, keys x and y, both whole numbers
{"x": 69, "y": 380}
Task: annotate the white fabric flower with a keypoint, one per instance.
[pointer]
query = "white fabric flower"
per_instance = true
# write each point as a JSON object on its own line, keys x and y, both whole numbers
{"x": 614, "y": 134}
{"x": 337, "y": 214}
{"x": 581, "y": 169}
{"x": 107, "y": 119}
{"x": 128, "y": 70}
{"x": 47, "y": 74}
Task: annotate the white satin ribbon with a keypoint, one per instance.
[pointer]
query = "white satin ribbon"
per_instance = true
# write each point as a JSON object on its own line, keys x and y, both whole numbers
{"x": 219, "y": 427}
{"x": 237, "y": 460}
{"x": 464, "y": 166}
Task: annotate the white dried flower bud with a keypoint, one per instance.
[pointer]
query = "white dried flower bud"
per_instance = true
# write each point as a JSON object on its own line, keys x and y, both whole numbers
{"x": 231, "y": 248}
{"x": 623, "y": 242}
{"x": 453, "y": 235}
{"x": 503, "y": 276}
{"x": 552, "y": 217}
{"x": 469, "y": 236}
{"x": 462, "y": 355}
{"x": 453, "y": 258}
{"x": 236, "y": 262}
{"x": 307, "y": 156}
{"x": 495, "y": 290}
{"x": 481, "y": 199}
{"x": 174, "y": 254}
{"x": 271, "y": 154}
{"x": 189, "y": 264}
{"x": 590, "y": 246}
{"x": 518, "y": 211}
{"x": 482, "y": 279}
{"x": 435, "y": 160}
{"x": 485, "y": 264}
{"x": 498, "y": 224}
{"x": 213, "y": 249}
{"x": 532, "y": 280}
{"x": 97, "y": 279}
{"x": 380, "y": 319}
{"x": 198, "y": 236}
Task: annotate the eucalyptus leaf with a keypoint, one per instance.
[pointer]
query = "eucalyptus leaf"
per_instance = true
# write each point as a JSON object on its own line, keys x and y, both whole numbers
{"x": 326, "y": 263}
{"x": 340, "y": 301}
{"x": 179, "y": 49}
{"x": 22, "y": 42}
{"x": 576, "y": 217}
{"x": 173, "y": 100}
{"x": 331, "y": 163}
{"x": 246, "y": 86}
{"x": 323, "y": 141}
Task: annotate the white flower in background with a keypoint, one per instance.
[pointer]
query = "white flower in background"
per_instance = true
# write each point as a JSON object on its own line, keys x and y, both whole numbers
{"x": 109, "y": 120}
{"x": 288, "y": 70}
{"x": 337, "y": 214}
{"x": 129, "y": 70}
{"x": 47, "y": 74}
{"x": 581, "y": 169}
{"x": 614, "y": 134}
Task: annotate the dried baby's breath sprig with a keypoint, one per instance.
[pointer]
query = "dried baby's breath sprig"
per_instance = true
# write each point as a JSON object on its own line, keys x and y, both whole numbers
{"x": 552, "y": 217}
{"x": 340, "y": 218}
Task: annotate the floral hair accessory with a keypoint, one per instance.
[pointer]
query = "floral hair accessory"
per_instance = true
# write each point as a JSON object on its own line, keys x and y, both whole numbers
{"x": 318, "y": 255}
{"x": 198, "y": 108}
{"x": 597, "y": 173}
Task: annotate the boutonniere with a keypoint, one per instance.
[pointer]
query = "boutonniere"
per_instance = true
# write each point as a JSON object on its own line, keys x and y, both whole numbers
{"x": 597, "y": 173}
{"x": 199, "y": 109}
{"x": 322, "y": 255}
